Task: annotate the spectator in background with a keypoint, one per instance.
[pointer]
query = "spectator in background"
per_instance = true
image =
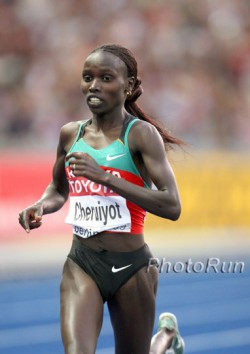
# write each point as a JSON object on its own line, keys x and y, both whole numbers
{"x": 197, "y": 66}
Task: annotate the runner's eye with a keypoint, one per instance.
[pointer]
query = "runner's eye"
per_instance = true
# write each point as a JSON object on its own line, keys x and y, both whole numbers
{"x": 107, "y": 78}
{"x": 86, "y": 78}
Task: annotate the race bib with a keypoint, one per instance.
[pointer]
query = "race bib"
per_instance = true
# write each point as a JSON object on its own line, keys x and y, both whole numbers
{"x": 90, "y": 215}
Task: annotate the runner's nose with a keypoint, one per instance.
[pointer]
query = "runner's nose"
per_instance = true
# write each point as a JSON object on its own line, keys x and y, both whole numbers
{"x": 95, "y": 86}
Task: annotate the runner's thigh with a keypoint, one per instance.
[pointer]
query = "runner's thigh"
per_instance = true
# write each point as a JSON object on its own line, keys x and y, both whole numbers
{"x": 132, "y": 312}
{"x": 81, "y": 310}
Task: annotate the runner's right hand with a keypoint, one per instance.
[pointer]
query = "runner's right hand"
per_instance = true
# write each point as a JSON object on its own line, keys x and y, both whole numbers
{"x": 31, "y": 217}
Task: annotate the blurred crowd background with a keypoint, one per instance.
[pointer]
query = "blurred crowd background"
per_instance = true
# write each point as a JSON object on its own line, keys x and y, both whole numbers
{"x": 193, "y": 57}
{"x": 194, "y": 62}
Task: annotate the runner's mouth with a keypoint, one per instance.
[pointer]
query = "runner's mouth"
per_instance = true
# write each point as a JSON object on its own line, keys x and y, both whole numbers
{"x": 94, "y": 101}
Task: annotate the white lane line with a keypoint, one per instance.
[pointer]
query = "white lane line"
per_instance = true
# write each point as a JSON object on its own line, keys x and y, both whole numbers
{"x": 106, "y": 350}
{"x": 238, "y": 286}
{"x": 210, "y": 313}
{"x": 17, "y": 337}
{"x": 28, "y": 311}
{"x": 232, "y": 338}
{"x": 38, "y": 334}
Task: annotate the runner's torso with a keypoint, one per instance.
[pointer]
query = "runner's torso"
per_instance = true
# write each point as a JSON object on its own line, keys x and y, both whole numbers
{"x": 94, "y": 208}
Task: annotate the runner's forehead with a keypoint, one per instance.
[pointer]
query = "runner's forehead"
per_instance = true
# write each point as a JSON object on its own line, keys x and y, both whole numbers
{"x": 104, "y": 61}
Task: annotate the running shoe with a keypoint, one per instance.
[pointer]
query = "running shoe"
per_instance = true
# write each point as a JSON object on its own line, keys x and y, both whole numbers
{"x": 169, "y": 321}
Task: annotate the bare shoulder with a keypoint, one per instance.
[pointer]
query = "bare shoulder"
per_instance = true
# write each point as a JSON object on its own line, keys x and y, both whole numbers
{"x": 70, "y": 128}
{"x": 144, "y": 134}
{"x": 69, "y": 131}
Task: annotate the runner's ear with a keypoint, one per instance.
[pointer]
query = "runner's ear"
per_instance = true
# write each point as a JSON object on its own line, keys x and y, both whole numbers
{"x": 131, "y": 83}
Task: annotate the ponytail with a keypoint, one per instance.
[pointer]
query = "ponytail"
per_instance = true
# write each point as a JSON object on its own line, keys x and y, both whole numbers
{"x": 132, "y": 107}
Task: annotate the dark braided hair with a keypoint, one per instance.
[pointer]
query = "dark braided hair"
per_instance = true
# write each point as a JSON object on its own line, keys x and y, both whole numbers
{"x": 130, "y": 104}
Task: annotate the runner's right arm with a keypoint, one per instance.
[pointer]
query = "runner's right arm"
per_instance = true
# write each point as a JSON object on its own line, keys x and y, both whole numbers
{"x": 56, "y": 193}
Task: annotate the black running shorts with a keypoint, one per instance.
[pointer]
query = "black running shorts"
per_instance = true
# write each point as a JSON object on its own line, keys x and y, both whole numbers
{"x": 109, "y": 270}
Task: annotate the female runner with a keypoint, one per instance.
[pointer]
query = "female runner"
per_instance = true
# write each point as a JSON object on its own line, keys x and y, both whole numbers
{"x": 106, "y": 165}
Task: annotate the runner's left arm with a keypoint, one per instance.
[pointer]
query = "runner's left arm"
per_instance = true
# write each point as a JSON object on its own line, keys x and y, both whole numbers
{"x": 164, "y": 201}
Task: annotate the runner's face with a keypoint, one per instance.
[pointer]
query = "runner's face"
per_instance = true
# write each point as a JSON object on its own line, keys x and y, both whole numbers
{"x": 104, "y": 82}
